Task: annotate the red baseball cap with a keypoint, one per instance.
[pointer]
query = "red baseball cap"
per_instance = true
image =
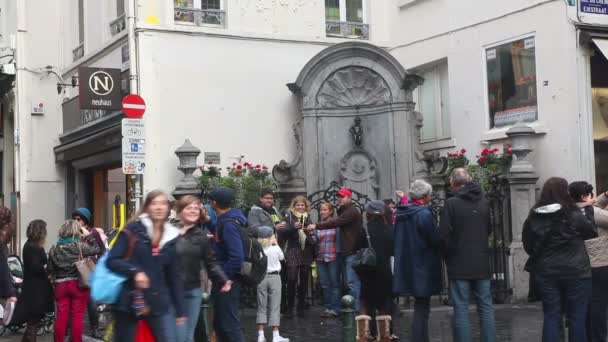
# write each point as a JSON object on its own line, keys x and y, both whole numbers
{"x": 344, "y": 192}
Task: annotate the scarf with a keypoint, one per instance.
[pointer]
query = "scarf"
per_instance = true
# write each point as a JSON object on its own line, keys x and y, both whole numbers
{"x": 66, "y": 240}
{"x": 302, "y": 217}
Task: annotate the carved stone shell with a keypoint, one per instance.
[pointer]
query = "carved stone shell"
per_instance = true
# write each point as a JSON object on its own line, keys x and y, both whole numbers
{"x": 353, "y": 86}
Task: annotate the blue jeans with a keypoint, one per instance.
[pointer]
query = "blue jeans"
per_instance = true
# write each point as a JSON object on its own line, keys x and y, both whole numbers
{"x": 576, "y": 294}
{"x": 192, "y": 309}
{"x": 352, "y": 279}
{"x": 460, "y": 291}
{"x": 226, "y": 320}
{"x": 329, "y": 277}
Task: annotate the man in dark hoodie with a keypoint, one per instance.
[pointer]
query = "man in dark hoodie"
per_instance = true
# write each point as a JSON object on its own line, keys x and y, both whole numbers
{"x": 229, "y": 250}
{"x": 464, "y": 229}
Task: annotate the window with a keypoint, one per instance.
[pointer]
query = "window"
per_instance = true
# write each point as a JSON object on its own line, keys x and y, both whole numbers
{"x": 119, "y": 24}
{"x": 346, "y": 18}
{"x": 511, "y": 75}
{"x": 433, "y": 101}
{"x": 200, "y": 12}
{"x": 78, "y": 52}
{"x": 120, "y": 8}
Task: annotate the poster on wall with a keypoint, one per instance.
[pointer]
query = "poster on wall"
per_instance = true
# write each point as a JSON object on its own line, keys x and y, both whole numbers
{"x": 594, "y": 6}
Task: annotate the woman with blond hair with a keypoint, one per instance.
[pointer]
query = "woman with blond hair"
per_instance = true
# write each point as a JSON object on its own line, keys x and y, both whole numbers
{"x": 70, "y": 299}
{"x": 298, "y": 241}
{"x": 269, "y": 290}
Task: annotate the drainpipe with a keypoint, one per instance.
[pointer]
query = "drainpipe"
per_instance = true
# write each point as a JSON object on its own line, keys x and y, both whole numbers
{"x": 19, "y": 108}
{"x": 136, "y": 180}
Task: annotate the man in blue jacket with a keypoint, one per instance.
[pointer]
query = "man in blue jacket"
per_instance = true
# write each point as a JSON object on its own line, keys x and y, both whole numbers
{"x": 229, "y": 250}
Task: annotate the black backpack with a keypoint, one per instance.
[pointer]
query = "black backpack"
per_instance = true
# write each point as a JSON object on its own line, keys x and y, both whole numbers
{"x": 254, "y": 268}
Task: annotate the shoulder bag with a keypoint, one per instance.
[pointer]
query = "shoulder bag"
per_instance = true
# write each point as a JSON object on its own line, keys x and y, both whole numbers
{"x": 84, "y": 266}
{"x": 365, "y": 258}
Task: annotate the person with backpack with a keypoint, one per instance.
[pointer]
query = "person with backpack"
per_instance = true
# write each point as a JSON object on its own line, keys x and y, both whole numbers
{"x": 230, "y": 254}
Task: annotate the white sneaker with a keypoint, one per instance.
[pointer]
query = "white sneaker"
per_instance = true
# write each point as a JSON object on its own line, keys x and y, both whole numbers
{"x": 261, "y": 338}
{"x": 279, "y": 339}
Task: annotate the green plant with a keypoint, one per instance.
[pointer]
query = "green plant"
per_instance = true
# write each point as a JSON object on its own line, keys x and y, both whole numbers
{"x": 247, "y": 180}
{"x": 493, "y": 162}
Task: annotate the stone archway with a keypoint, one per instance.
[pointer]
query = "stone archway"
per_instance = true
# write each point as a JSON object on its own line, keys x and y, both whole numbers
{"x": 357, "y": 124}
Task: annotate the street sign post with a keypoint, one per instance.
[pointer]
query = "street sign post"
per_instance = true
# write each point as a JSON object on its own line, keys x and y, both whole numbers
{"x": 133, "y": 147}
{"x": 133, "y": 106}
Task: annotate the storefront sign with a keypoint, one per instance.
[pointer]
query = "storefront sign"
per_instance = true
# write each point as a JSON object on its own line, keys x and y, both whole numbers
{"x": 133, "y": 147}
{"x": 594, "y": 6}
{"x": 212, "y": 158}
{"x": 99, "y": 88}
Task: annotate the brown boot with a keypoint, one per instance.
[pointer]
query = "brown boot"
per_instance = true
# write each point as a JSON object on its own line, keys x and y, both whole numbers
{"x": 30, "y": 333}
{"x": 383, "y": 324}
{"x": 363, "y": 328}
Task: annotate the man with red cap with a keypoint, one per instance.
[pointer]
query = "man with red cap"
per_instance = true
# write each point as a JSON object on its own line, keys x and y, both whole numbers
{"x": 349, "y": 222}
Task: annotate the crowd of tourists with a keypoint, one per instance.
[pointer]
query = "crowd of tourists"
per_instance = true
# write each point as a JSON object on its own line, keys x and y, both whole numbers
{"x": 171, "y": 253}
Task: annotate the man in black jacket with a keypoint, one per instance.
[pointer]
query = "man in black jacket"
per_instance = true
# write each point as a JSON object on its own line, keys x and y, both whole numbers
{"x": 465, "y": 228}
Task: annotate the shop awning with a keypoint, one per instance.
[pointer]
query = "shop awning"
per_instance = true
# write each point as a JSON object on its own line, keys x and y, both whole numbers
{"x": 601, "y": 44}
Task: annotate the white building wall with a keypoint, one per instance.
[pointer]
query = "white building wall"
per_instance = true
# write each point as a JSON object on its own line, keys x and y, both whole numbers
{"x": 225, "y": 95}
{"x": 39, "y": 179}
{"x": 561, "y": 150}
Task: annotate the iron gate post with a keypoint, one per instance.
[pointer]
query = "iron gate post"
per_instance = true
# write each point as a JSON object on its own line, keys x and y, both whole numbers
{"x": 348, "y": 319}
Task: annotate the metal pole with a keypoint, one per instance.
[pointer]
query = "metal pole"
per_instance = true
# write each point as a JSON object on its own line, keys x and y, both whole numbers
{"x": 349, "y": 331}
{"x": 206, "y": 307}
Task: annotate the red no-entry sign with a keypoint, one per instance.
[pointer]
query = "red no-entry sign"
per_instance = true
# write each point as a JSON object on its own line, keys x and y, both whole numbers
{"x": 133, "y": 106}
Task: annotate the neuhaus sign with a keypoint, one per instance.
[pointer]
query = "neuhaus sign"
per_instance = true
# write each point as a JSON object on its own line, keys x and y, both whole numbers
{"x": 99, "y": 88}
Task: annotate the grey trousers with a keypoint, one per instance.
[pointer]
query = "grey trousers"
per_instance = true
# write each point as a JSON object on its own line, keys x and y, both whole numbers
{"x": 269, "y": 301}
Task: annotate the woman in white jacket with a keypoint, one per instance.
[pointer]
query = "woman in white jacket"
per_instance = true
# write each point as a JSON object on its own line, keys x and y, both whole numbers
{"x": 595, "y": 210}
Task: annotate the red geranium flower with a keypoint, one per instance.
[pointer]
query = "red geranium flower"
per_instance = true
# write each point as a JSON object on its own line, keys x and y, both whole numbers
{"x": 463, "y": 151}
{"x": 257, "y": 166}
{"x": 265, "y": 167}
{"x": 246, "y": 164}
{"x": 238, "y": 172}
{"x": 233, "y": 164}
{"x": 482, "y": 160}
{"x": 494, "y": 150}
{"x": 228, "y": 167}
{"x": 485, "y": 152}
{"x": 239, "y": 167}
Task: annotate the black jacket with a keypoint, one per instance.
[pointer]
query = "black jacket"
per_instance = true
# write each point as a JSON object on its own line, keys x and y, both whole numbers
{"x": 554, "y": 238}
{"x": 193, "y": 250}
{"x": 37, "y": 293}
{"x": 464, "y": 229}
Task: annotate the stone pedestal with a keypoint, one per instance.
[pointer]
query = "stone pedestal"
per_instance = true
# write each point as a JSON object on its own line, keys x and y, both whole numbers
{"x": 522, "y": 183}
{"x": 188, "y": 185}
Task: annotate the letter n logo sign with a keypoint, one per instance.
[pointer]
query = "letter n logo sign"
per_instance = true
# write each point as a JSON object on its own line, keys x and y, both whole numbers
{"x": 101, "y": 83}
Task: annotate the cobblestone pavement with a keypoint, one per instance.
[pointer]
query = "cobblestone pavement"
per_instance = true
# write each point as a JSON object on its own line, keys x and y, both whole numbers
{"x": 520, "y": 323}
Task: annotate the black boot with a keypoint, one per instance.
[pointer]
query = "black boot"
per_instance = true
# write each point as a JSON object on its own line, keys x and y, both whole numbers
{"x": 30, "y": 333}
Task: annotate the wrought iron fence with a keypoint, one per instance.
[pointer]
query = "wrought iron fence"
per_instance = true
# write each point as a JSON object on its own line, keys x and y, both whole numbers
{"x": 200, "y": 16}
{"x": 78, "y": 52}
{"x": 118, "y": 25}
{"x": 347, "y": 29}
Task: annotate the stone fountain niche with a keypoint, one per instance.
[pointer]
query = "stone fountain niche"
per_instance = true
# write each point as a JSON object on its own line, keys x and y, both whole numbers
{"x": 357, "y": 126}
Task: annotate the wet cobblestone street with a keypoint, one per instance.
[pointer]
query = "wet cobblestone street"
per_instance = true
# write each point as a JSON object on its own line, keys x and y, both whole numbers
{"x": 521, "y": 323}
